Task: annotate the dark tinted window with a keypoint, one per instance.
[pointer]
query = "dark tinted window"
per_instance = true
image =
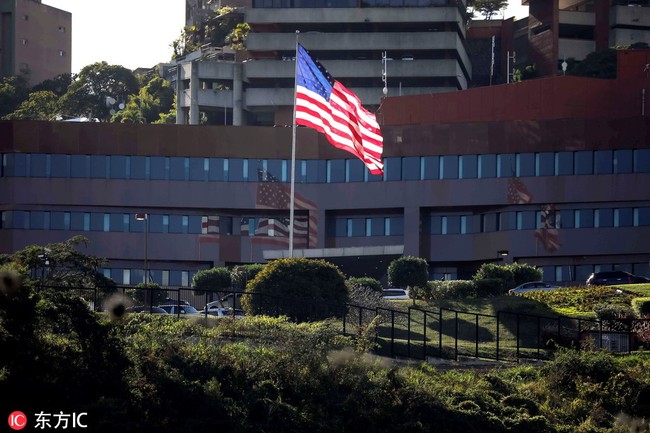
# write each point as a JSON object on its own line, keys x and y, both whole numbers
{"x": 624, "y": 217}
{"x": 642, "y": 216}
{"x": 435, "y": 225}
{"x": 60, "y": 166}
{"x": 584, "y": 218}
{"x": 394, "y": 226}
{"x": 215, "y": 172}
{"x": 79, "y": 166}
{"x": 508, "y": 221}
{"x": 642, "y": 161}
{"x": 60, "y": 221}
{"x": 449, "y": 167}
{"x": 623, "y": 161}
{"x": 119, "y": 169}
{"x": 545, "y": 164}
{"x": 195, "y": 224}
{"x": 80, "y": 221}
{"x": 506, "y": 165}
{"x": 98, "y": 166}
{"x": 468, "y": 167}
{"x": 567, "y": 219}
{"x": 178, "y": 224}
{"x": 563, "y": 163}
{"x": 525, "y": 164}
{"x": 179, "y": 168}
{"x": 411, "y": 168}
{"x": 375, "y": 226}
{"x": 341, "y": 227}
{"x": 336, "y": 170}
{"x": 159, "y": 166}
{"x": 487, "y": 166}
{"x": 354, "y": 169}
{"x": 356, "y": 227}
{"x": 584, "y": 162}
{"x": 316, "y": 171}
{"x": 392, "y": 169}
{"x": 97, "y": 222}
{"x": 430, "y": 167}
{"x": 198, "y": 169}
{"x": 526, "y": 220}
{"x": 603, "y": 161}
{"x": 139, "y": 167}
{"x": 604, "y": 218}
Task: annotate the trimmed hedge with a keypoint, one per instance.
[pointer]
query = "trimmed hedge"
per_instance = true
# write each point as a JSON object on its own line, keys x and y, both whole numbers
{"x": 641, "y": 306}
{"x": 511, "y": 275}
{"x": 457, "y": 289}
{"x": 211, "y": 280}
{"x": 141, "y": 292}
{"x": 364, "y": 282}
{"x": 408, "y": 272}
{"x": 613, "y": 311}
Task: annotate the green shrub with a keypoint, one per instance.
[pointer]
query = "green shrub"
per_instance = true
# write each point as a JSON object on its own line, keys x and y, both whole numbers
{"x": 211, "y": 280}
{"x": 451, "y": 289}
{"x": 364, "y": 282}
{"x": 408, "y": 272}
{"x": 494, "y": 271}
{"x": 300, "y": 288}
{"x": 581, "y": 299}
{"x": 641, "y": 306}
{"x": 489, "y": 287}
{"x": 613, "y": 311}
{"x": 147, "y": 294}
{"x": 242, "y": 274}
{"x": 567, "y": 371}
{"x": 523, "y": 273}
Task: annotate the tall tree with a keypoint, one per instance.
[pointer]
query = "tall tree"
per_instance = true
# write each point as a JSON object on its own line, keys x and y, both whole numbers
{"x": 58, "y": 84}
{"x": 13, "y": 91}
{"x": 96, "y": 86}
{"x": 41, "y": 105}
{"x": 154, "y": 99}
{"x": 488, "y": 8}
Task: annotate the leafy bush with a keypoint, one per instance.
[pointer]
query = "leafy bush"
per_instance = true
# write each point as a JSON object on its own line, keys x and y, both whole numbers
{"x": 582, "y": 299}
{"x": 641, "y": 306}
{"x": 570, "y": 367}
{"x": 613, "y": 312}
{"x": 523, "y": 273}
{"x": 300, "y": 288}
{"x": 242, "y": 274}
{"x": 147, "y": 294}
{"x": 489, "y": 287}
{"x": 493, "y": 271}
{"x": 211, "y": 280}
{"x": 408, "y": 272}
{"x": 364, "y": 282}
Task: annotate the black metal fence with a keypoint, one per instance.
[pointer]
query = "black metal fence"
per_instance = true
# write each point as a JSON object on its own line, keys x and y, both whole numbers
{"x": 418, "y": 333}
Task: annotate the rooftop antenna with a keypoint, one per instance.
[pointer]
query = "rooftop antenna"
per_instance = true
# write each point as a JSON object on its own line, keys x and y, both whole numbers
{"x": 384, "y": 76}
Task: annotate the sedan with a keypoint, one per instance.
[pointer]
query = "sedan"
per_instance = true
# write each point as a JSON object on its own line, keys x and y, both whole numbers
{"x": 610, "y": 278}
{"x": 395, "y": 294}
{"x": 146, "y": 309}
{"x": 533, "y": 285}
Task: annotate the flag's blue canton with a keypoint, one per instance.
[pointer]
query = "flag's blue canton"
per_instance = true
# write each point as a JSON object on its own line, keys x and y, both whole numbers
{"x": 312, "y": 75}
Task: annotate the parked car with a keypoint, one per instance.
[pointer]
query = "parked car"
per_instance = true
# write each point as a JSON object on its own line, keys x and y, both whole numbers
{"x": 172, "y": 301}
{"x": 533, "y": 285}
{"x": 396, "y": 294}
{"x": 146, "y": 309}
{"x": 611, "y": 278}
{"x": 180, "y": 309}
{"x": 215, "y": 309}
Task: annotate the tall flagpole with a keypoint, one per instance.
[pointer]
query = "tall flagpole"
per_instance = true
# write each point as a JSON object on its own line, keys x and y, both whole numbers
{"x": 293, "y": 154}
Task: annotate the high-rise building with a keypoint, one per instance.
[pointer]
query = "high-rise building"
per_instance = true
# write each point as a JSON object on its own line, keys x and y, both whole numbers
{"x": 35, "y": 40}
{"x": 423, "y": 42}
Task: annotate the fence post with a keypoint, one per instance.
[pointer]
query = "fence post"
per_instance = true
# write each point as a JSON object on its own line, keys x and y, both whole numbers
{"x": 517, "y": 337}
{"x": 408, "y": 335}
{"x": 476, "y": 354}
{"x": 456, "y": 338}
{"x": 440, "y": 332}
{"x": 345, "y": 315}
{"x": 539, "y": 336}
{"x": 205, "y": 308}
{"x": 424, "y": 341}
{"x": 392, "y": 333}
{"x": 498, "y": 314}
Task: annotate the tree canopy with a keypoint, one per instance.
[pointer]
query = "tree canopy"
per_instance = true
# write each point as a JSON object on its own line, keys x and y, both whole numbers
{"x": 487, "y": 8}
{"x": 153, "y": 100}
{"x": 41, "y": 105}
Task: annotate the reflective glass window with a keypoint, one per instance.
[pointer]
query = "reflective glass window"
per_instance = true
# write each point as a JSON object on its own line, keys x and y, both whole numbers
{"x": 194, "y": 224}
{"x": 468, "y": 167}
{"x": 584, "y": 162}
{"x": 80, "y": 166}
{"x": 354, "y": 169}
{"x": 60, "y": 221}
{"x": 487, "y": 166}
{"x": 563, "y": 273}
{"x": 97, "y": 222}
{"x": 335, "y": 170}
{"x": 38, "y": 166}
{"x": 411, "y": 168}
{"x": 254, "y": 168}
{"x": 624, "y": 217}
{"x": 176, "y": 224}
{"x": 526, "y": 220}
{"x": 563, "y": 163}
{"x": 623, "y": 161}
{"x": 235, "y": 170}
{"x": 567, "y": 219}
{"x": 39, "y": 220}
{"x": 60, "y": 166}
{"x": 642, "y": 161}
{"x": 80, "y": 221}
{"x": 216, "y": 170}
{"x": 139, "y": 167}
{"x": 116, "y": 223}
{"x": 341, "y": 227}
{"x": 225, "y": 225}
{"x": 179, "y": 168}
{"x": 435, "y": 225}
{"x": 274, "y": 168}
{"x": 604, "y": 218}
{"x": 375, "y": 226}
{"x": 159, "y": 166}
{"x": 199, "y": 168}
{"x": 107, "y": 222}
{"x": 356, "y": 227}
{"x": 642, "y": 216}
{"x": 603, "y": 161}
{"x": 20, "y": 220}
{"x": 135, "y": 225}
{"x": 17, "y": 164}
{"x": 545, "y": 164}
{"x": 430, "y": 167}
{"x": 301, "y": 171}
{"x": 159, "y": 223}
{"x": 98, "y": 166}
{"x": 507, "y": 221}
{"x": 175, "y": 278}
{"x": 118, "y": 167}
{"x": 506, "y": 165}
{"x": 449, "y": 167}
{"x": 392, "y": 169}
{"x": 394, "y": 226}
{"x": 316, "y": 171}
{"x": 489, "y": 222}
{"x": 584, "y": 218}
{"x": 525, "y": 164}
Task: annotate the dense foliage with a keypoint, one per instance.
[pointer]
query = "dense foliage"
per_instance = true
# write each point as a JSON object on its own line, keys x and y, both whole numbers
{"x": 575, "y": 300}
{"x": 458, "y": 289}
{"x": 511, "y": 275}
{"x": 242, "y": 274}
{"x": 313, "y": 288}
{"x": 215, "y": 279}
{"x": 364, "y": 282}
{"x": 147, "y": 294}
{"x": 156, "y": 373}
{"x": 408, "y": 272}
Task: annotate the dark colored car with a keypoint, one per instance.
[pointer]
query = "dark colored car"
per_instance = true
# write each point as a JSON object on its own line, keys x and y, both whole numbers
{"x": 170, "y": 301}
{"x": 611, "y": 278}
{"x": 180, "y": 309}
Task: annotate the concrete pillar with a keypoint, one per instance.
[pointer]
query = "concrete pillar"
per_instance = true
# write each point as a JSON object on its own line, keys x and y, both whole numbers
{"x": 237, "y": 94}
{"x": 180, "y": 116}
{"x": 412, "y": 231}
{"x": 194, "y": 93}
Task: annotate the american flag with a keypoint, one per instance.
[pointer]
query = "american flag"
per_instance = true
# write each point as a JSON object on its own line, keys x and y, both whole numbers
{"x": 548, "y": 233}
{"x": 517, "y": 192}
{"x": 325, "y": 105}
{"x": 272, "y": 194}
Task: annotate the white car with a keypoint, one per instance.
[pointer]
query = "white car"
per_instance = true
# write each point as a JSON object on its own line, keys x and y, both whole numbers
{"x": 396, "y": 294}
{"x": 217, "y": 309}
{"x": 533, "y": 285}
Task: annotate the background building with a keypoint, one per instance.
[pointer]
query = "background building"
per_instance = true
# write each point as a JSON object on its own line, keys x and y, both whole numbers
{"x": 552, "y": 170}
{"x": 35, "y": 40}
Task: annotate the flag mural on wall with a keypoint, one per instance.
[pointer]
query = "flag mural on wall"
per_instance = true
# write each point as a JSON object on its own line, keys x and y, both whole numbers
{"x": 273, "y": 194}
{"x": 325, "y": 105}
{"x": 547, "y": 232}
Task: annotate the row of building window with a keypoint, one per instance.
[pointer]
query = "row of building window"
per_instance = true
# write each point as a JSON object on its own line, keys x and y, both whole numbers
{"x": 326, "y": 171}
{"x": 162, "y": 277}
{"x": 530, "y": 220}
{"x": 346, "y": 3}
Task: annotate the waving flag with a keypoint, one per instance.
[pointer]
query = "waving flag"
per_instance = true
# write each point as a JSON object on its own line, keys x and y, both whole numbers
{"x": 327, "y": 106}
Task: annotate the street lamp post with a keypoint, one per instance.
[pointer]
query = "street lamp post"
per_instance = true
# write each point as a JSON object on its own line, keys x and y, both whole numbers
{"x": 145, "y": 217}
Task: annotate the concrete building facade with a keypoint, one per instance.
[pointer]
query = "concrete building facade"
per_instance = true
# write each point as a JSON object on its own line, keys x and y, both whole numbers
{"x": 552, "y": 170}
{"x": 35, "y": 40}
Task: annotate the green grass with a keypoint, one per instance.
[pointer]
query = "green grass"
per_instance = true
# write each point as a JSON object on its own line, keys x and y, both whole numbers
{"x": 642, "y": 290}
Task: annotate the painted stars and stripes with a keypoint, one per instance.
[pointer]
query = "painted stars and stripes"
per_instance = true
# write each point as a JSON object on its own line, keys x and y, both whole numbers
{"x": 327, "y": 106}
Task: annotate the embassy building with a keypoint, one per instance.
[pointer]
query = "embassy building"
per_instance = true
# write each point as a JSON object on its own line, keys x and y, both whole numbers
{"x": 553, "y": 171}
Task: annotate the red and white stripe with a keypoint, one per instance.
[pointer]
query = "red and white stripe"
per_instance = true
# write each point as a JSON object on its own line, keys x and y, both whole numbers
{"x": 345, "y": 123}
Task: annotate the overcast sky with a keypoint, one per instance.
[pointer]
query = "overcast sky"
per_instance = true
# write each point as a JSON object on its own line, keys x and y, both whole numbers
{"x": 136, "y": 33}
